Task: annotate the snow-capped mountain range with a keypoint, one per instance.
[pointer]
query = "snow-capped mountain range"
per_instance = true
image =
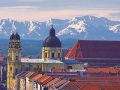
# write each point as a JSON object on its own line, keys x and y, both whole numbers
{"x": 85, "y": 27}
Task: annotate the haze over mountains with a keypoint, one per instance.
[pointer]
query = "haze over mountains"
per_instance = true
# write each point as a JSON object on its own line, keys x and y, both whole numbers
{"x": 85, "y": 27}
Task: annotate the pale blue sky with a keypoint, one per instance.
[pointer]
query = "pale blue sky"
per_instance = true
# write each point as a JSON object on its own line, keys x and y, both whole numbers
{"x": 45, "y": 9}
{"x": 60, "y": 4}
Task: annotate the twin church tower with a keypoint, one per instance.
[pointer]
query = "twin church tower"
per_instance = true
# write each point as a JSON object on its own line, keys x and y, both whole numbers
{"x": 51, "y": 51}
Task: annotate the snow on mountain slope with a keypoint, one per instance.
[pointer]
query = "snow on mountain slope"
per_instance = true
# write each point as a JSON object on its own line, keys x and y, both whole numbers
{"x": 115, "y": 28}
{"x": 85, "y": 27}
{"x": 90, "y": 27}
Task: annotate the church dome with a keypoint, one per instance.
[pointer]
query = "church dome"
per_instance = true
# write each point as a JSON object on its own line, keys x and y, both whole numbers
{"x": 52, "y": 40}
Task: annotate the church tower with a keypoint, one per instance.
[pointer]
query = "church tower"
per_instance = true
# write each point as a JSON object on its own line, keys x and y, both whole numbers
{"x": 13, "y": 63}
{"x": 51, "y": 47}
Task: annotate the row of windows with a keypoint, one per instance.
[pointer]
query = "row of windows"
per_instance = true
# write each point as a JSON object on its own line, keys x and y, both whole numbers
{"x": 17, "y": 58}
{"x": 52, "y": 54}
{"x": 26, "y": 68}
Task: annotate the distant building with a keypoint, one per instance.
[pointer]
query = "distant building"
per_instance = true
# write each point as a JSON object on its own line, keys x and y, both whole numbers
{"x": 51, "y": 57}
{"x": 22, "y": 72}
{"x": 51, "y": 47}
{"x": 68, "y": 81}
{"x": 96, "y": 53}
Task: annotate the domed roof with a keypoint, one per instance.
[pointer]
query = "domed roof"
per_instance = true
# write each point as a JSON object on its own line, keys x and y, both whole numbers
{"x": 52, "y": 40}
{"x": 15, "y": 36}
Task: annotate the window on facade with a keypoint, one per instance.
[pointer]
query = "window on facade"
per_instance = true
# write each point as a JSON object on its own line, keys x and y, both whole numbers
{"x": 31, "y": 67}
{"x": 45, "y": 55}
{"x": 27, "y": 68}
{"x": 53, "y": 55}
{"x": 45, "y": 88}
{"x": 58, "y": 55}
{"x": 35, "y": 69}
{"x": 69, "y": 67}
{"x": 23, "y": 67}
{"x": 10, "y": 68}
{"x": 16, "y": 57}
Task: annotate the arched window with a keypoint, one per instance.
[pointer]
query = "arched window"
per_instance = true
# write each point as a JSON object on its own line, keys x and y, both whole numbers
{"x": 17, "y": 58}
{"x": 45, "y": 55}
{"x": 53, "y": 55}
{"x": 58, "y": 55}
{"x": 10, "y": 68}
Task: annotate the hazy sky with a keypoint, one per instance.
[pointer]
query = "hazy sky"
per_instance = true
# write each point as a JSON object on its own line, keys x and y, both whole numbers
{"x": 46, "y": 9}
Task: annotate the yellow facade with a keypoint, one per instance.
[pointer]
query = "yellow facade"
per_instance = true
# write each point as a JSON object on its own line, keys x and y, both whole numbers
{"x": 13, "y": 64}
{"x": 31, "y": 66}
{"x": 51, "y": 53}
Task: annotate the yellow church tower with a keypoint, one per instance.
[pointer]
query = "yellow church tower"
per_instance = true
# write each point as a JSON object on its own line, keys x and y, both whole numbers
{"x": 14, "y": 57}
{"x": 51, "y": 47}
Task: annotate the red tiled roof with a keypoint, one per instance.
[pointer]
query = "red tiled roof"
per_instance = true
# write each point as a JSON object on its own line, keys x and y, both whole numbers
{"x": 1, "y": 58}
{"x": 42, "y": 79}
{"x": 37, "y": 77}
{"x": 91, "y": 86}
{"x": 74, "y": 52}
{"x": 33, "y": 75}
{"x": 56, "y": 69}
{"x": 22, "y": 75}
{"x": 103, "y": 70}
{"x": 94, "y": 49}
{"x": 47, "y": 80}
{"x": 52, "y": 82}
{"x": 29, "y": 74}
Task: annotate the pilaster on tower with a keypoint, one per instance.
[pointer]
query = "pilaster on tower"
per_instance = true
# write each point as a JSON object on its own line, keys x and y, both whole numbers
{"x": 14, "y": 60}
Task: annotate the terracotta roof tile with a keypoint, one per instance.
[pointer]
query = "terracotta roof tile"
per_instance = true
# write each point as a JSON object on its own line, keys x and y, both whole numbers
{"x": 99, "y": 49}
{"x": 1, "y": 58}
{"x": 33, "y": 75}
{"x": 37, "y": 77}
{"x": 47, "y": 80}
{"x": 103, "y": 70}
{"x": 60, "y": 83}
{"x": 43, "y": 79}
{"x": 52, "y": 82}
{"x": 29, "y": 74}
{"x": 22, "y": 75}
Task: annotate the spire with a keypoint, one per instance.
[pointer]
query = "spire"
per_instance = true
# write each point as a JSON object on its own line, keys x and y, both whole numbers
{"x": 12, "y": 36}
{"x": 17, "y": 36}
{"x": 52, "y": 31}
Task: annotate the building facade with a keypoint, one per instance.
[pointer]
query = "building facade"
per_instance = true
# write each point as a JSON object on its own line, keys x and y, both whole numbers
{"x": 13, "y": 64}
{"x": 51, "y": 58}
{"x": 51, "y": 47}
